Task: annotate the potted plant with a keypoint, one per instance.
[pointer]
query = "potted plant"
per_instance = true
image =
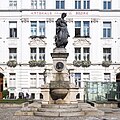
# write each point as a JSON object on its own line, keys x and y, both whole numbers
{"x": 12, "y": 63}
{"x": 41, "y": 63}
{"x": 106, "y": 63}
{"x": 32, "y": 63}
{"x": 86, "y": 63}
{"x": 77, "y": 63}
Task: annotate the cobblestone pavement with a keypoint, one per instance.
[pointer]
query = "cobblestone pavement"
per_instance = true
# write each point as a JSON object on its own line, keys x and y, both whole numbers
{"x": 8, "y": 114}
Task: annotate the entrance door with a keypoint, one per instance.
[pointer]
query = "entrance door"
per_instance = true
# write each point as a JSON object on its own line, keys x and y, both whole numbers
{"x": 1, "y": 85}
{"x": 118, "y": 85}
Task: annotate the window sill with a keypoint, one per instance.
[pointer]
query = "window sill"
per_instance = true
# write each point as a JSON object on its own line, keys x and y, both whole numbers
{"x": 12, "y": 38}
{"x": 35, "y": 36}
{"x": 107, "y": 38}
{"x": 81, "y": 37}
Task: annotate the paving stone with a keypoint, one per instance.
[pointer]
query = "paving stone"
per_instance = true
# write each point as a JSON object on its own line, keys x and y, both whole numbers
{"x": 8, "y": 114}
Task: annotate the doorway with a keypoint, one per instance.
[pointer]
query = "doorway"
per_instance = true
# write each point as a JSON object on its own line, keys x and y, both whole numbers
{"x": 118, "y": 85}
{"x": 1, "y": 85}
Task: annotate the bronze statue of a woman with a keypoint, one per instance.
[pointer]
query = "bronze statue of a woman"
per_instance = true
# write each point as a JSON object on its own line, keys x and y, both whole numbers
{"x": 61, "y": 32}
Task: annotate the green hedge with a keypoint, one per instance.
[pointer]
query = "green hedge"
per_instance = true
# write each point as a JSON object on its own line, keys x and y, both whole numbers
{"x": 17, "y": 101}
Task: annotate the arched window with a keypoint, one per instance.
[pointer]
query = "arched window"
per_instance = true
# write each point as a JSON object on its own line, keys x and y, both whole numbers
{"x": 78, "y": 96}
{"x": 41, "y": 96}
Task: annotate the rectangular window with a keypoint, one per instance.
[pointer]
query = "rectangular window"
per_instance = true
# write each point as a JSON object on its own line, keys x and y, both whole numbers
{"x": 33, "y": 54}
{"x": 41, "y": 53}
{"x": 13, "y": 29}
{"x": 77, "y": 4}
{"x": 107, "y": 54}
{"x": 77, "y": 53}
{"x": 12, "y": 53}
{"x": 86, "y": 76}
{"x": 86, "y": 4}
{"x": 32, "y": 96}
{"x": 42, "y": 4}
{"x": 42, "y": 28}
{"x": 86, "y": 28}
{"x": 106, "y": 29}
{"x": 107, "y": 77}
{"x": 60, "y": 4}
{"x": 34, "y": 4}
{"x": 86, "y": 54}
{"x": 78, "y": 79}
{"x": 12, "y": 79}
{"x": 77, "y": 28}
{"x": 33, "y": 28}
{"x": 33, "y": 80}
{"x": 107, "y": 4}
{"x": 41, "y": 79}
{"x": 13, "y": 4}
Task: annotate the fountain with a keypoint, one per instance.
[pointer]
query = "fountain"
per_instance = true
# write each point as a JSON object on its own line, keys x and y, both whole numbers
{"x": 59, "y": 96}
{"x": 60, "y": 90}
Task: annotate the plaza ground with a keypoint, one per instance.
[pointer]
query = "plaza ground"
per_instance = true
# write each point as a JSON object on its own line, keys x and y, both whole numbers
{"x": 8, "y": 114}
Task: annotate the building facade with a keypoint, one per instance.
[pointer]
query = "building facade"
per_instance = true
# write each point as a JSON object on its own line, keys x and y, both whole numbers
{"x": 27, "y": 39}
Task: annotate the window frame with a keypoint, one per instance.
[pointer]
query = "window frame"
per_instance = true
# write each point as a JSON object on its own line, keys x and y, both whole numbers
{"x": 107, "y": 29}
{"x": 13, "y": 29}
{"x": 78, "y": 79}
{"x": 60, "y": 4}
{"x": 86, "y": 4}
{"x": 77, "y": 4}
{"x": 107, "y": 55}
{"x": 12, "y": 53}
{"x": 107, "y": 4}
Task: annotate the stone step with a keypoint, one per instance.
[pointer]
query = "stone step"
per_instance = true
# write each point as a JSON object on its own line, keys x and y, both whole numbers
{"x": 59, "y": 109}
{"x": 58, "y": 114}
{"x": 59, "y": 106}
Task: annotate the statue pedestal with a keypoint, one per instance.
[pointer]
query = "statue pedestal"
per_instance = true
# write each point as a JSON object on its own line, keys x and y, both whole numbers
{"x": 59, "y": 90}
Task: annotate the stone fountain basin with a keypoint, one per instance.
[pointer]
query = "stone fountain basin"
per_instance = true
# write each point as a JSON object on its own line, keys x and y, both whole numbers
{"x": 58, "y": 93}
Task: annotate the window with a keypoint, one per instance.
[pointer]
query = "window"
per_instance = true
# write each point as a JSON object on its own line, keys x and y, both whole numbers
{"x": 107, "y": 54}
{"x": 77, "y": 4}
{"x": 42, "y": 28}
{"x": 37, "y": 30}
{"x": 78, "y": 79}
{"x": 107, "y": 77}
{"x": 60, "y": 4}
{"x": 82, "y": 54}
{"x": 107, "y": 4}
{"x": 33, "y": 27}
{"x": 33, "y": 54}
{"x": 34, "y": 4}
{"x": 12, "y": 96}
{"x": 77, "y": 53}
{"x": 86, "y": 76}
{"x": 106, "y": 29}
{"x": 12, "y": 79}
{"x": 12, "y": 53}
{"x": 42, "y": 4}
{"x": 41, "y": 53}
{"x": 32, "y": 95}
{"x": 41, "y": 79}
{"x": 13, "y": 4}
{"x": 86, "y": 4}
{"x": 83, "y": 31}
{"x": 86, "y": 54}
{"x": 86, "y": 28}
{"x": 41, "y": 96}
{"x": 78, "y": 96}
{"x": 33, "y": 80}
{"x": 77, "y": 28}
{"x": 13, "y": 29}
